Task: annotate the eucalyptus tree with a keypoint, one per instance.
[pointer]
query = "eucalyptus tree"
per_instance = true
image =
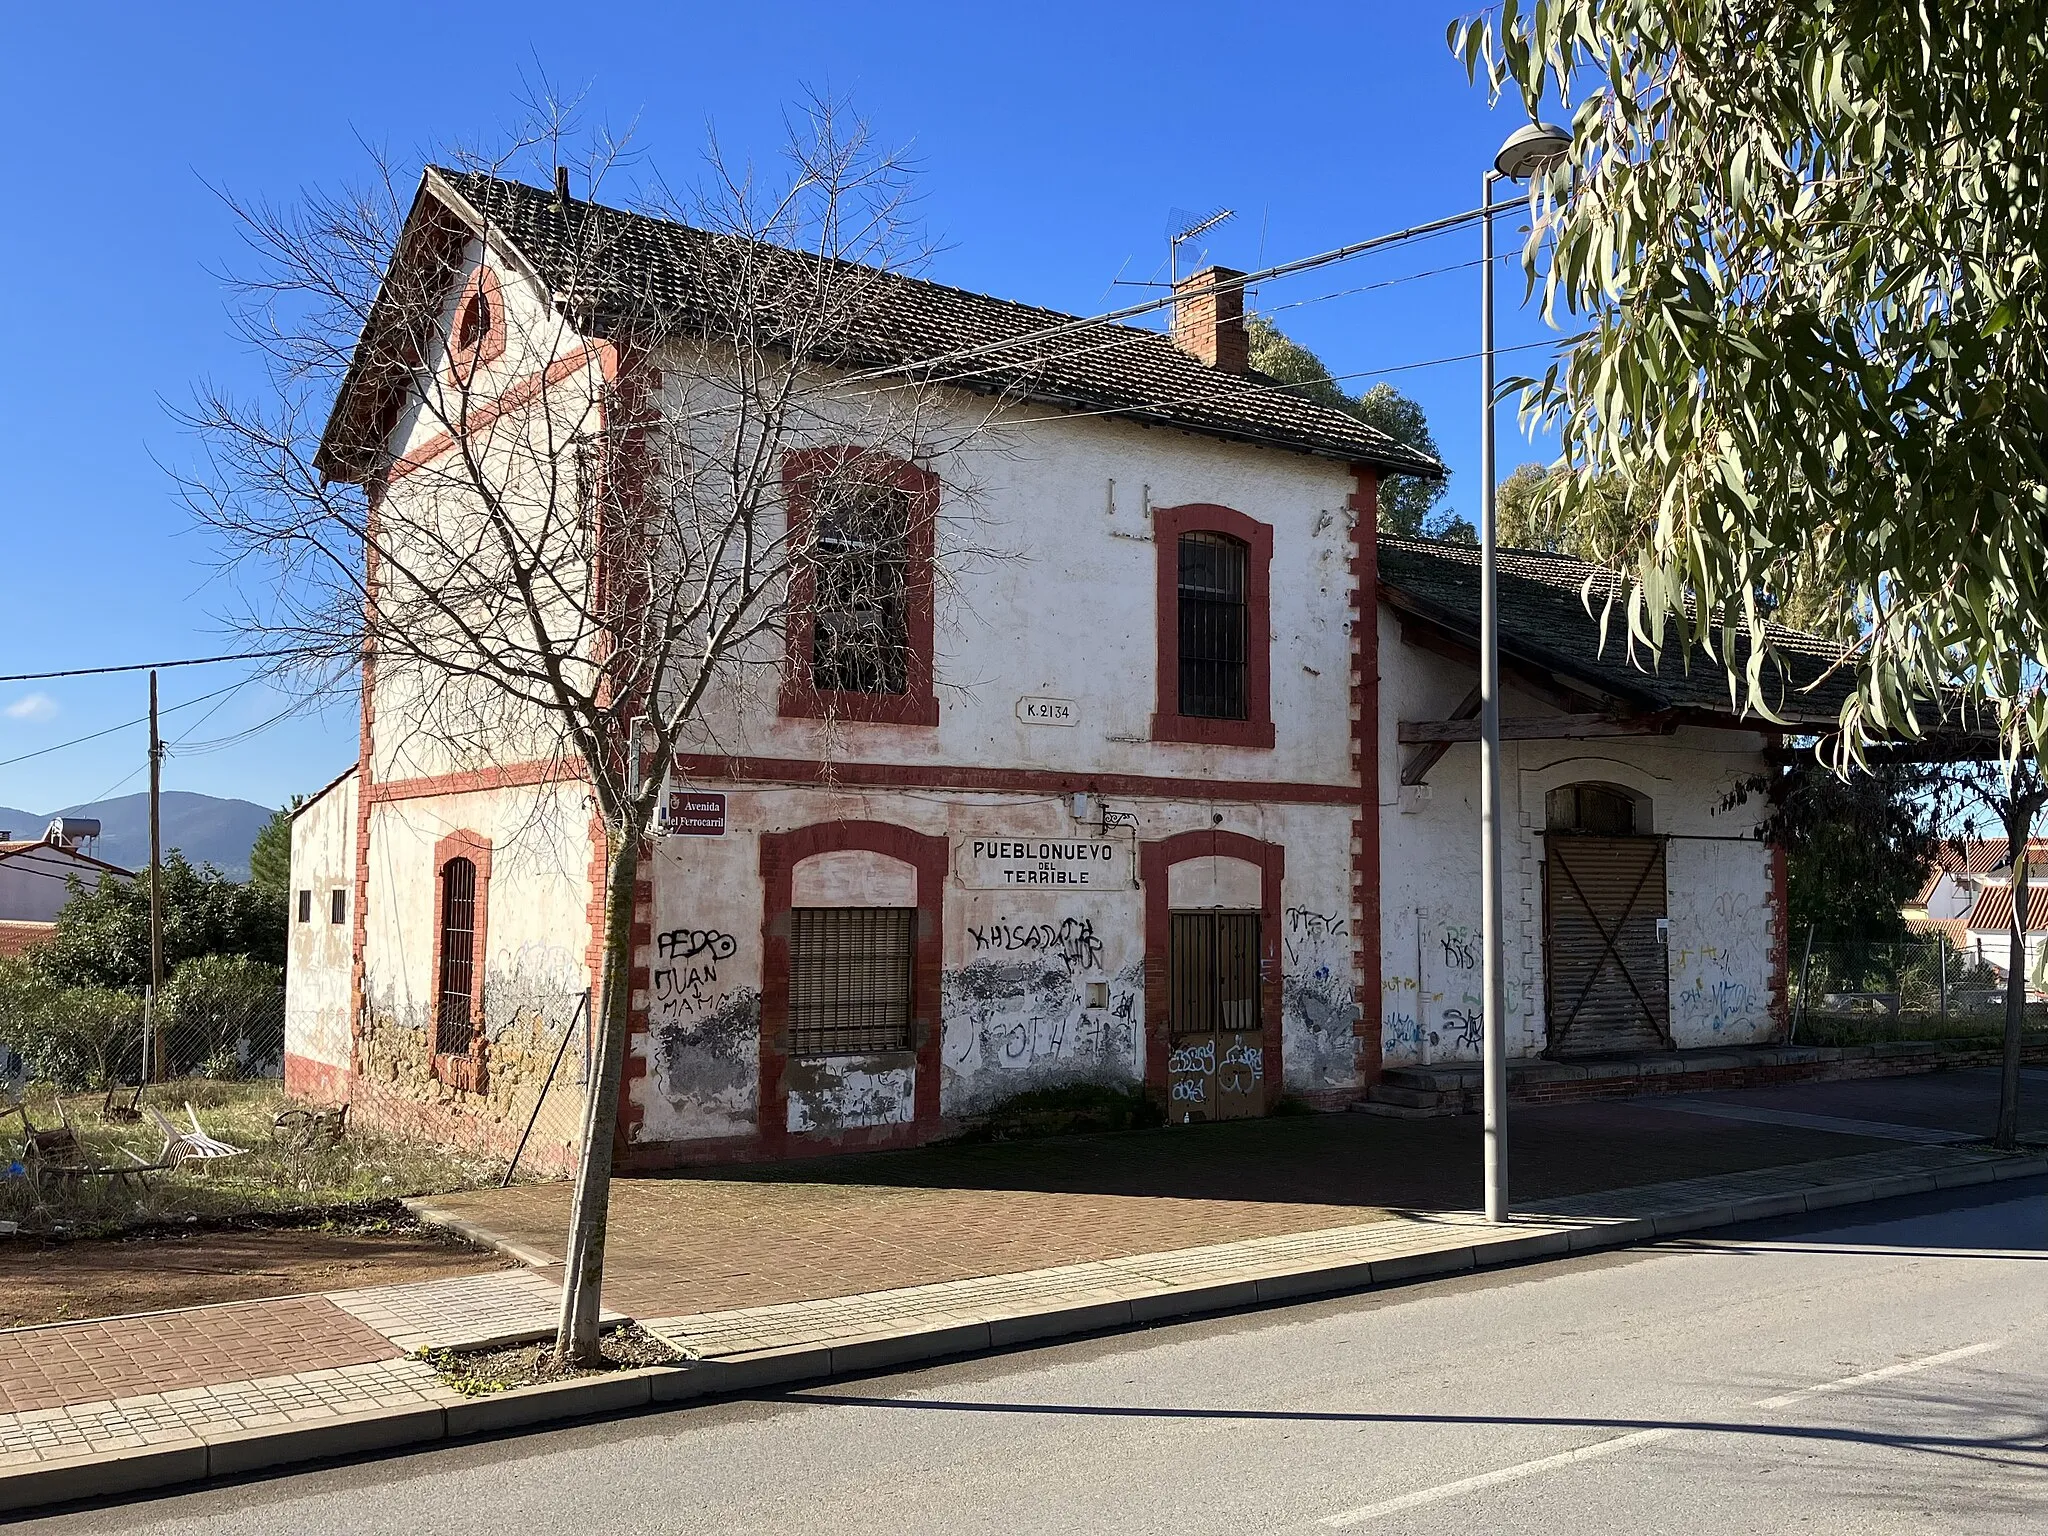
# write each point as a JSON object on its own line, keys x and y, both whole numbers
{"x": 1804, "y": 248}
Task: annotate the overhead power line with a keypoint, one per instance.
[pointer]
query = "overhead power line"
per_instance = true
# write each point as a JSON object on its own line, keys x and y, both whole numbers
{"x": 146, "y": 666}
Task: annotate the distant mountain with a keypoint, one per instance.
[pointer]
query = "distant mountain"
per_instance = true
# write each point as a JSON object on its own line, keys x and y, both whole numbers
{"x": 208, "y": 830}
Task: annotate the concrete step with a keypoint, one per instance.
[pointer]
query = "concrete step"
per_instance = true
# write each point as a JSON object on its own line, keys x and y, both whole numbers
{"x": 1397, "y": 1111}
{"x": 1412, "y": 1098}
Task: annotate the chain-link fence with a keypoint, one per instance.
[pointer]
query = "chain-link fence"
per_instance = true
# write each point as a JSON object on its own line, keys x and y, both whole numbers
{"x": 1919, "y": 988}
{"x": 218, "y": 1017}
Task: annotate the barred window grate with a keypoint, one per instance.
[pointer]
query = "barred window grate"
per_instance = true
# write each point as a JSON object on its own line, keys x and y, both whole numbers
{"x": 850, "y": 979}
{"x": 458, "y": 958}
{"x": 1214, "y": 627}
{"x": 1214, "y": 984}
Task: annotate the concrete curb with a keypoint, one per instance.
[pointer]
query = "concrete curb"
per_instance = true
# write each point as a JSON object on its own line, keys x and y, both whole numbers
{"x": 133, "y": 1471}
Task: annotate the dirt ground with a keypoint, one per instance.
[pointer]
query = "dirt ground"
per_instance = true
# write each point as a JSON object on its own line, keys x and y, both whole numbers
{"x": 49, "y": 1282}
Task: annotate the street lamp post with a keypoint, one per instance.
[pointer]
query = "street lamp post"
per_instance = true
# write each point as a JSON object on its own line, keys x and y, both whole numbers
{"x": 1528, "y": 150}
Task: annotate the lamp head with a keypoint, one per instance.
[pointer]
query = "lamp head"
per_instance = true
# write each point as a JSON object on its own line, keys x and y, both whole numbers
{"x": 1531, "y": 148}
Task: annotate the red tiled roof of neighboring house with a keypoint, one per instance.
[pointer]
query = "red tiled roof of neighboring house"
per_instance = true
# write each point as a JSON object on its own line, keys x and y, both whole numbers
{"x": 1993, "y": 911}
{"x": 1950, "y": 928}
{"x": 16, "y": 937}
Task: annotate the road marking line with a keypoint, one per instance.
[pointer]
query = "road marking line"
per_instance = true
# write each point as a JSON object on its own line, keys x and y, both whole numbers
{"x": 1492, "y": 1479}
{"x": 1883, "y": 1373}
{"x": 1639, "y": 1437}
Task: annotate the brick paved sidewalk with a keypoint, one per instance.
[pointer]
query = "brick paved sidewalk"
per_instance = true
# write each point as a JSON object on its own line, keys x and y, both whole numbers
{"x": 168, "y": 1351}
{"x": 765, "y": 1236}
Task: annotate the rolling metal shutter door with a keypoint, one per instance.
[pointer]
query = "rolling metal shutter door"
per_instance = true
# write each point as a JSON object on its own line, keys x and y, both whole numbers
{"x": 1605, "y": 967}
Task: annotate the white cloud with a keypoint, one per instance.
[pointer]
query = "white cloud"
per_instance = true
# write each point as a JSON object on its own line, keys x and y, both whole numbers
{"x": 32, "y": 707}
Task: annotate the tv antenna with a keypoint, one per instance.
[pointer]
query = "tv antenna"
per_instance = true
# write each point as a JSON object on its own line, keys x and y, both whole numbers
{"x": 1183, "y": 226}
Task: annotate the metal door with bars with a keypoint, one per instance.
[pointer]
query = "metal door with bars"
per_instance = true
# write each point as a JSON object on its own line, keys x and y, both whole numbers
{"x": 1215, "y": 1065}
{"x": 1607, "y": 980}
{"x": 851, "y": 979}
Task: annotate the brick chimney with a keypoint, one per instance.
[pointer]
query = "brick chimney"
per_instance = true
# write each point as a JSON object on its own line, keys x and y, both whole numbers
{"x": 1209, "y": 327}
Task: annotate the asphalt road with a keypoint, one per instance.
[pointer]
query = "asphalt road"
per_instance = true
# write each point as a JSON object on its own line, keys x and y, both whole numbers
{"x": 1887, "y": 1371}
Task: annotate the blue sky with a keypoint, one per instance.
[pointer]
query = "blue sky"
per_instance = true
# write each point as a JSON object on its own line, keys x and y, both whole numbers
{"x": 1052, "y": 141}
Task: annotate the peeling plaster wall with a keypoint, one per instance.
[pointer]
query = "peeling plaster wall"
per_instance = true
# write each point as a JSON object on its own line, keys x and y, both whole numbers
{"x": 532, "y": 974}
{"x": 1019, "y": 965}
{"x": 1051, "y": 593}
{"x": 1718, "y": 884}
{"x": 319, "y": 952}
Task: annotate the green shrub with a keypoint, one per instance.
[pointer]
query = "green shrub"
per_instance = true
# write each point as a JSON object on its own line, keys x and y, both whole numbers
{"x": 221, "y": 1014}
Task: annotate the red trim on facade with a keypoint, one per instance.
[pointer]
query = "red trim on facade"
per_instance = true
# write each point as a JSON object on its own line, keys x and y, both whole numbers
{"x": 1168, "y": 723}
{"x": 316, "y": 1082}
{"x": 1366, "y": 943}
{"x": 473, "y": 781}
{"x": 482, "y": 416}
{"x": 918, "y": 704}
{"x": 847, "y": 773}
{"x": 464, "y": 361}
{"x": 1154, "y": 860}
{"x": 468, "y": 1070}
{"x": 781, "y": 852}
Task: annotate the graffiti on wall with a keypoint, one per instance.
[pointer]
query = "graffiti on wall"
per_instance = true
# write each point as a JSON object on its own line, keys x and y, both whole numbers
{"x": 1320, "y": 1048}
{"x": 1071, "y": 941}
{"x": 1720, "y": 943}
{"x": 1035, "y": 1006}
{"x": 848, "y": 1093}
{"x": 1438, "y": 1013}
{"x": 704, "y": 1033}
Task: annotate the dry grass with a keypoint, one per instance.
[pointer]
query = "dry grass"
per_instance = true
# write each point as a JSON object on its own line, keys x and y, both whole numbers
{"x": 267, "y": 1177}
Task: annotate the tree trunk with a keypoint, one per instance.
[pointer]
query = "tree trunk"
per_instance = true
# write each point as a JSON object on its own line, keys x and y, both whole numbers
{"x": 583, "y": 1264}
{"x": 2006, "y": 1137}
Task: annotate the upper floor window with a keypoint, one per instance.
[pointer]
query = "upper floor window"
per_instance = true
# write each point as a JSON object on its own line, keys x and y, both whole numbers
{"x": 862, "y": 533}
{"x": 476, "y": 322}
{"x": 860, "y": 629}
{"x": 1214, "y": 656}
{"x": 1215, "y": 626}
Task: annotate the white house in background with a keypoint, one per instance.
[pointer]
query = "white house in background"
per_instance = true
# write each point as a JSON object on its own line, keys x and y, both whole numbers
{"x": 36, "y": 874}
{"x": 1196, "y": 811}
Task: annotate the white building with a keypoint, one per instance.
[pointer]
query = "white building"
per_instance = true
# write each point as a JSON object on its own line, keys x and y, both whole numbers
{"x": 1184, "y": 797}
{"x": 36, "y": 873}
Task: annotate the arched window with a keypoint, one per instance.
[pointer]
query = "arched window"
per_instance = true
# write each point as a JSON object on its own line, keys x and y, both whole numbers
{"x": 1606, "y": 809}
{"x": 455, "y": 1017}
{"x": 1215, "y": 600}
{"x": 1214, "y": 627}
{"x": 475, "y": 324}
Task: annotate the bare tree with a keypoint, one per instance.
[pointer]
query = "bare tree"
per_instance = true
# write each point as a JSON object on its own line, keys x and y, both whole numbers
{"x": 541, "y": 496}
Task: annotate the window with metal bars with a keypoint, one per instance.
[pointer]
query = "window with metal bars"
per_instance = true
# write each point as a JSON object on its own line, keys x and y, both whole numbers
{"x": 1215, "y": 652}
{"x": 851, "y": 973}
{"x": 337, "y": 905}
{"x": 457, "y": 989}
{"x": 860, "y": 561}
{"x": 1213, "y": 980}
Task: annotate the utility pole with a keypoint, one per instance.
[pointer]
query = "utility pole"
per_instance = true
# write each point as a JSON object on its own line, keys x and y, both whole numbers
{"x": 156, "y": 874}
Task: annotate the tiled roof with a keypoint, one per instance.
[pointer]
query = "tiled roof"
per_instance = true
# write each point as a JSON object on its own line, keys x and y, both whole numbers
{"x": 1545, "y": 622}
{"x": 16, "y": 937}
{"x": 625, "y": 266}
{"x": 1993, "y": 911}
{"x": 1950, "y": 928}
